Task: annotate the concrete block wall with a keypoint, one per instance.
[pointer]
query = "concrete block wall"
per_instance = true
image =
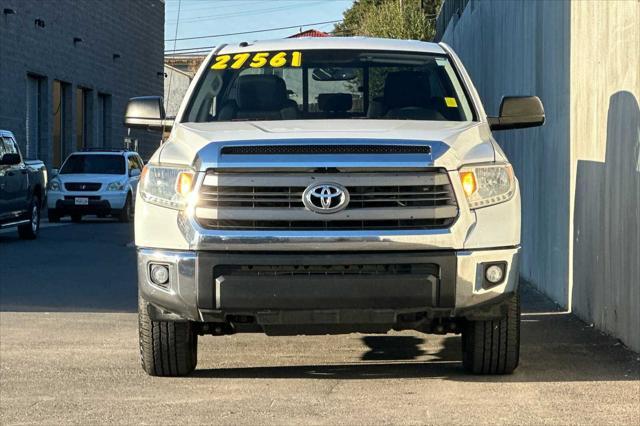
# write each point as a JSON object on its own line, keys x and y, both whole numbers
{"x": 133, "y": 31}
{"x": 580, "y": 173}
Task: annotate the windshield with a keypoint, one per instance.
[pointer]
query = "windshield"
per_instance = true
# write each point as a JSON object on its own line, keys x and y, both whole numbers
{"x": 94, "y": 164}
{"x": 323, "y": 84}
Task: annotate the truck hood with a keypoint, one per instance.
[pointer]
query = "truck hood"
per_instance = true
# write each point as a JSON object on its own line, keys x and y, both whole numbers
{"x": 453, "y": 143}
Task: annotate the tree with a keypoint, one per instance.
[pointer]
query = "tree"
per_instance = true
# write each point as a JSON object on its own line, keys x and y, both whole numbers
{"x": 404, "y": 19}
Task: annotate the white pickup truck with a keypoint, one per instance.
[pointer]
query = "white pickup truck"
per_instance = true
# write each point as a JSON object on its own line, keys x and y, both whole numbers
{"x": 23, "y": 188}
{"x": 336, "y": 185}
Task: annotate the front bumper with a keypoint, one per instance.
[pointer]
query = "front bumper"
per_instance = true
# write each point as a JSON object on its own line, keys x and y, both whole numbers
{"x": 209, "y": 286}
{"x": 98, "y": 202}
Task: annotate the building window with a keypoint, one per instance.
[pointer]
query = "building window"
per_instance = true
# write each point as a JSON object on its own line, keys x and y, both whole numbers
{"x": 82, "y": 116}
{"x": 36, "y": 87}
{"x": 58, "y": 105}
{"x": 61, "y": 113}
{"x": 104, "y": 120}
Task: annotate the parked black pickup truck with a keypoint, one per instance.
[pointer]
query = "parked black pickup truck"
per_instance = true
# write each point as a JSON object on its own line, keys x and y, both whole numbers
{"x": 22, "y": 188}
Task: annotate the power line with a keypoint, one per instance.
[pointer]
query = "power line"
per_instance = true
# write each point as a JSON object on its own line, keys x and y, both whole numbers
{"x": 189, "y": 54}
{"x": 212, "y": 6}
{"x": 171, "y": 77}
{"x": 249, "y": 32}
{"x": 237, "y": 14}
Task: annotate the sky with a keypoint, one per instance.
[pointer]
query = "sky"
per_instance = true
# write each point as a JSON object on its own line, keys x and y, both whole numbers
{"x": 213, "y": 17}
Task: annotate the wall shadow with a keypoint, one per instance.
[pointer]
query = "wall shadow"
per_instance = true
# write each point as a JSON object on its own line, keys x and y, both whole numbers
{"x": 606, "y": 225}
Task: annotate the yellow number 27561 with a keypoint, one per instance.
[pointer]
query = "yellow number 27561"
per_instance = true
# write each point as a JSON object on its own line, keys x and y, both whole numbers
{"x": 257, "y": 60}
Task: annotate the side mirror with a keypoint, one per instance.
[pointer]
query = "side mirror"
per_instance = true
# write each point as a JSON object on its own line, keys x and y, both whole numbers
{"x": 134, "y": 172}
{"x": 518, "y": 112}
{"x": 146, "y": 112}
{"x": 10, "y": 160}
{"x": 55, "y": 172}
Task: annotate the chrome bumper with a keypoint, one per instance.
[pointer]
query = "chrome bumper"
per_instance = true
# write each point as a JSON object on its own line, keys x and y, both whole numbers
{"x": 191, "y": 278}
{"x": 199, "y": 238}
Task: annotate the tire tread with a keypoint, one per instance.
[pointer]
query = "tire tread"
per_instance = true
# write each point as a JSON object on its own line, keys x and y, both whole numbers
{"x": 167, "y": 348}
{"x": 493, "y": 346}
{"x": 25, "y": 231}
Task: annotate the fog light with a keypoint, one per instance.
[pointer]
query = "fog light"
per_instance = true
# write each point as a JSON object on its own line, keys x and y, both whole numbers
{"x": 159, "y": 274}
{"x": 494, "y": 274}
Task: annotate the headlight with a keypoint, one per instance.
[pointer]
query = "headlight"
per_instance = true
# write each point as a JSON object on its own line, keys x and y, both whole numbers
{"x": 116, "y": 186}
{"x": 487, "y": 185}
{"x": 54, "y": 185}
{"x": 166, "y": 186}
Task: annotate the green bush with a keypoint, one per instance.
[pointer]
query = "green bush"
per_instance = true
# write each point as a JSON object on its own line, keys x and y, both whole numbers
{"x": 403, "y": 19}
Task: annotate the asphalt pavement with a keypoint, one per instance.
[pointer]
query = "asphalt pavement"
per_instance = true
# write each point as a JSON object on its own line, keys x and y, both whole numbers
{"x": 69, "y": 355}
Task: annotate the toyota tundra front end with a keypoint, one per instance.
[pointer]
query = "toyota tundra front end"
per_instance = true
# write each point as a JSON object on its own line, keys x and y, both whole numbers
{"x": 320, "y": 186}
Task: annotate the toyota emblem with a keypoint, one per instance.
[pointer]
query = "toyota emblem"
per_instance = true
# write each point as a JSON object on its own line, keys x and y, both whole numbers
{"x": 325, "y": 197}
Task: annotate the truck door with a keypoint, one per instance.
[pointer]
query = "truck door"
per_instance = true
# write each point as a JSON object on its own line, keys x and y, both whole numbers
{"x": 15, "y": 178}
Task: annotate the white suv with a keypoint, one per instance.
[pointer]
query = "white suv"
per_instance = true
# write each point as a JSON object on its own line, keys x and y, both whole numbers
{"x": 95, "y": 182}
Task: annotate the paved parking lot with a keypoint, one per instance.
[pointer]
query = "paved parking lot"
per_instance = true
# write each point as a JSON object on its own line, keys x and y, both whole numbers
{"x": 68, "y": 354}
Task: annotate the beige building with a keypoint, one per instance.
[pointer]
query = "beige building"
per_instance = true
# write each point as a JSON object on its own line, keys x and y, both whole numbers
{"x": 179, "y": 70}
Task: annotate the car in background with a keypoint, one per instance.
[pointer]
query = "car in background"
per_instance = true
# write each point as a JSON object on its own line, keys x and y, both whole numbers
{"x": 23, "y": 186}
{"x": 97, "y": 182}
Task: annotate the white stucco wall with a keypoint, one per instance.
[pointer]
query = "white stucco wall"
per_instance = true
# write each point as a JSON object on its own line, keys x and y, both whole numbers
{"x": 605, "y": 166}
{"x": 580, "y": 173}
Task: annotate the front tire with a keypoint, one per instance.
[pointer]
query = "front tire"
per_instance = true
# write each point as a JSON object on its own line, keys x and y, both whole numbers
{"x": 167, "y": 348}
{"x": 493, "y": 347}
{"x": 29, "y": 231}
{"x": 126, "y": 214}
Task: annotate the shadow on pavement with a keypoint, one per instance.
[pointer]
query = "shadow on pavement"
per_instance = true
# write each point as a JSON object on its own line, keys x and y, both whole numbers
{"x": 392, "y": 348}
{"x": 85, "y": 267}
{"x": 92, "y": 268}
{"x": 556, "y": 347}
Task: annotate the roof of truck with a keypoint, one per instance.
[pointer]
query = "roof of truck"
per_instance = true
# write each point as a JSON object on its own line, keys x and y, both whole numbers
{"x": 350, "y": 43}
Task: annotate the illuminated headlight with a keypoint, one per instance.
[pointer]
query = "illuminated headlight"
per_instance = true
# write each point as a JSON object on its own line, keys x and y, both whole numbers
{"x": 115, "y": 186}
{"x": 487, "y": 185}
{"x": 166, "y": 186}
{"x": 54, "y": 185}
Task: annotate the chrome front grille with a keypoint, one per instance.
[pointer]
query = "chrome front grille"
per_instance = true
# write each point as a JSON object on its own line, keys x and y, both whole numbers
{"x": 82, "y": 186}
{"x": 360, "y": 196}
{"x": 378, "y": 201}
{"x": 251, "y": 196}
